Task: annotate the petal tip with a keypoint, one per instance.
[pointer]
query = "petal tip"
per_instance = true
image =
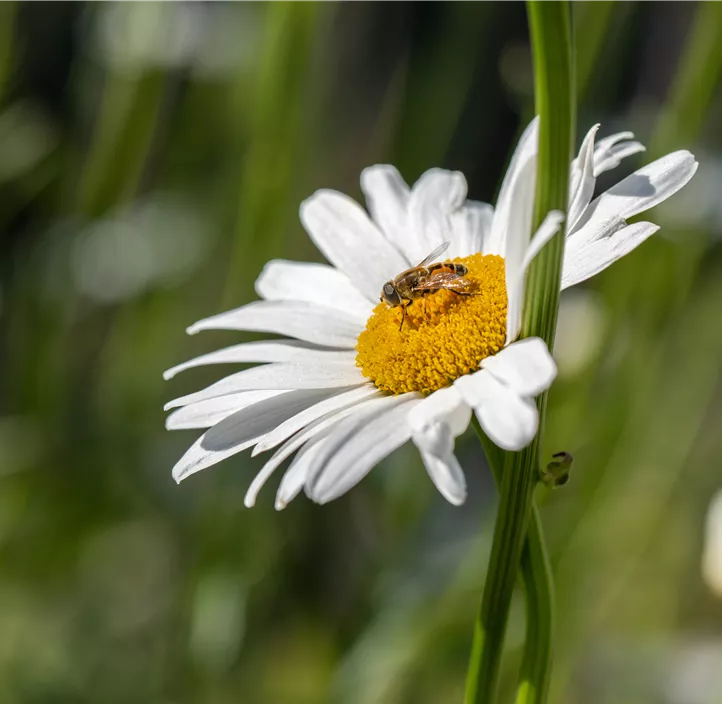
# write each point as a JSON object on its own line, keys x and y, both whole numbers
{"x": 314, "y": 491}
{"x": 258, "y": 449}
{"x": 370, "y": 171}
{"x": 685, "y": 156}
{"x": 592, "y": 132}
{"x": 314, "y": 198}
{"x": 505, "y": 443}
{"x": 457, "y": 500}
{"x": 556, "y": 217}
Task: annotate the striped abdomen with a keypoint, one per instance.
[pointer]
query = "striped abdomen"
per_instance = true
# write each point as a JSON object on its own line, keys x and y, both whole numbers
{"x": 458, "y": 269}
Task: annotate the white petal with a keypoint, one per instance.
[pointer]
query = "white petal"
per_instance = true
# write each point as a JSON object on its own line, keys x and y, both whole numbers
{"x": 342, "y": 230}
{"x": 341, "y": 432}
{"x": 525, "y": 366}
{"x": 434, "y": 437}
{"x": 471, "y": 225}
{"x": 613, "y": 158}
{"x": 596, "y": 229}
{"x": 443, "y": 406}
{"x": 508, "y": 419}
{"x": 549, "y": 227}
{"x": 305, "y": 321}
{"x": 358, "y": 444}
{"x": 204, "y": 414}
{"x": 516, "y": 195}
{"x": 291, "y": 445}
{"x": 282, "y": 280}
{"x": 261, "y": 418}
{"x": 198, "y": 458}
{"x": 641, "y": 191}
{"x": 335, "y": 403}
{"x": 606, "y": 143}
{"x": 266, "y": 351}
{"x": 584, "y": 262}
{"x": 434, "y": 197}
{"x": 295, "y": 476}
{"x": 447, "y": 475}
{"x": 387, "y": 199}
{"x": 515, "y": 266}
{"x": 511, "y": 422}
{"x": 582, "y": 181}
{"x": 278, "y": 376}
{"x": 610, "y": 151}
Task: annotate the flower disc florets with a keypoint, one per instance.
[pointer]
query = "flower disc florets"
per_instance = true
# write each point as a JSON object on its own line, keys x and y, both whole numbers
{"x": 443, "y": 337}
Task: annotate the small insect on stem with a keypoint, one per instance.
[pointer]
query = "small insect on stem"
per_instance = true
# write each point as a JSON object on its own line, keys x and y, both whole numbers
{"x": 425, "y": 278}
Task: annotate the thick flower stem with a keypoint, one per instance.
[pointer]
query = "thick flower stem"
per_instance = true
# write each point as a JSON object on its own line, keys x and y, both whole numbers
{"x": 539, "y": 591}
{"x": 551, "y": 45}
{"x": 538, "y": 586}
{"x": 517, "y": 484}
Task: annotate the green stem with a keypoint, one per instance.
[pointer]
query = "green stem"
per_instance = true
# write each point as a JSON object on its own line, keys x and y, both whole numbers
{"x": 551, "y": 45}
{"x": 538, "y": 585}
{"x": 695, "y": 82}
{"x": 8, "y": 13}
{"x": 122, "y": 139}
{"x": 517, "y": 483}
{"x": 279, "y": 103}
{"x": 591, "y": 26}
{"x": 423, "y": 132}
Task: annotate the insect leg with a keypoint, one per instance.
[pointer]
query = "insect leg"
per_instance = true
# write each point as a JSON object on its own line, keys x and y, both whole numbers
{"x": 404, "y": 306}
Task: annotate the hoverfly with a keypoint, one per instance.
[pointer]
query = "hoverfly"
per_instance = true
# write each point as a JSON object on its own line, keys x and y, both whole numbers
{"x": 425, "y": 278}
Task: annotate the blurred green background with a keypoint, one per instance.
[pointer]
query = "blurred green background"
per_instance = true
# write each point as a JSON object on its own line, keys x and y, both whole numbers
{"x": 152, "y": 158}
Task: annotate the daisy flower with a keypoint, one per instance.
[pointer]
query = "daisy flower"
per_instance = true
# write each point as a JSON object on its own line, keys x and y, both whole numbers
{"x": 356, "y": 379}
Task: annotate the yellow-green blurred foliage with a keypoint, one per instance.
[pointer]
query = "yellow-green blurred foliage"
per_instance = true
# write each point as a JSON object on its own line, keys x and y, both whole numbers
{"x": 152, "y": 158}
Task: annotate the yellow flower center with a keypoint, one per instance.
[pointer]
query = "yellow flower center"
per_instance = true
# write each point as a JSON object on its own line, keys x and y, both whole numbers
{"x": 444, "y": 335}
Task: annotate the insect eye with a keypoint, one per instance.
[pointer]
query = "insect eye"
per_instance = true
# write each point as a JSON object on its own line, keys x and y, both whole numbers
{"x": 388, "y": 289}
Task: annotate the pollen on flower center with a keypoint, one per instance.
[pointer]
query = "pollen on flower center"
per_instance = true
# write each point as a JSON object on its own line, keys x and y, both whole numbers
{"x": 444, "y": 335}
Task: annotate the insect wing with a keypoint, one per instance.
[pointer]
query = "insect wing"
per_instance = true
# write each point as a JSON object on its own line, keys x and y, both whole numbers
{"x": 442, "y": 279}
{"x": 434, "y": 255}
